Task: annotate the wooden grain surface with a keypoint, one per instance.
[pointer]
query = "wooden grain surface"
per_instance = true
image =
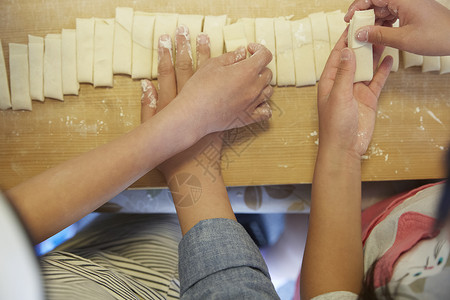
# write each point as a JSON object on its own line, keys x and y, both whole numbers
{"x": 411, "y": 135}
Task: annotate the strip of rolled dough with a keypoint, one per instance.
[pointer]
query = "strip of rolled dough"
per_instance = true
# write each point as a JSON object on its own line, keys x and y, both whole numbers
{"x": 5, "y": 97}
{"x": 234, "y": 36}
{"x": 412, "y": 60}
{"x": 363, "y": 51}
{"x": 392, "y": 52}
{"x": 103, "y": 52}
{"x": 321, "y": 41}
{"x": 336, "y": 26}
{"x": 305, "y": 71}
{"x": 445, "y": 64}
{"x": 213, "y": 27}
{"x": 143, "y": 24}
{"x": 431, "y": 63}
{"x": 69, "y": 62}
{"x": 195, "y": 24}
{"x": 285, "y": 53}
{"x": 19, "y": 77}
{"x": 249, "y": 26}
{"x": 85, "y": 49}
{"x": 265, "y": 35}
{"x": 164, "y": 24}
{"x": 36, "y": 65}
{"x": 122, "y": 53}
{"x": 52, "y": 67}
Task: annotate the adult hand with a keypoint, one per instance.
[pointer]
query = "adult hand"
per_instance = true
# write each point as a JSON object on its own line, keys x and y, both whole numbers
{"x": 424, "y": 25}
{"x": 347, "y": 110}
{"x": 229, "y": 91}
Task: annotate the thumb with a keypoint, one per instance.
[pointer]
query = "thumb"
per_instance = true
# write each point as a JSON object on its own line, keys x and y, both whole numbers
{"x": 380, "y": 35}
{"x": 343, "y": 82}
{"x": 233, "y": 56}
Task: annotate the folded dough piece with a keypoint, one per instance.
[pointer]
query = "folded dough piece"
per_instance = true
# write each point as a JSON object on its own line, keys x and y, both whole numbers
{"x": 122, "y": 52}
{"x": 285, "y": 53}
{"x": 70, "y": 83}
{"x": 5, "y": 97}
{"x": 164, "y": 24}
{"x": 234, "y": 36}
{"x": 445, "y": 64}
{"x": 143, "y": 24}
{"x": 195, "y": 24}
{"x": 305, "y": 71}
{"x": 85, "y": 49}
{"x": 265, "y": 35}
{"x": 336, "y": 26}
{"x": 363, "y": 51}
{"x": 213, "y": 27}
{"x": 392, "y": 52}
{"x": 103, "y": 52}
{"x": 52, "y": 67}
{"x": 431, "y": 63}
{"x": 249, "y": 26}
{"x": 321, "y": 41}
{"x": 19, "y": 77}
{"x": 412, "y": 60}
{"x": 36, "y": 65}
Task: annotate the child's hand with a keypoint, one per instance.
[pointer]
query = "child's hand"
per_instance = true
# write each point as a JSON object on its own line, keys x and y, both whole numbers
{"x": 347, "y": 111}
{"x": 424, "y": 25}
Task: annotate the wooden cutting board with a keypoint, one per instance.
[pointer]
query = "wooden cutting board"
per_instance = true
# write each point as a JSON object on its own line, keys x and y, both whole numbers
{"x": 411, "y": 136}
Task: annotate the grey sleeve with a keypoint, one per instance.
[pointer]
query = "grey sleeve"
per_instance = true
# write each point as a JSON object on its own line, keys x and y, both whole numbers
{"x": 219, "y": 260}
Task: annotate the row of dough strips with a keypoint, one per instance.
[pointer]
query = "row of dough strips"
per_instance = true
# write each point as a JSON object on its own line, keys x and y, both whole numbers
{"x": 54, "y": 66}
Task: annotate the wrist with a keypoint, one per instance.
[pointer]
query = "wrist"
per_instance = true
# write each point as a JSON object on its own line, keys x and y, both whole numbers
{"x": 339, "y": 159}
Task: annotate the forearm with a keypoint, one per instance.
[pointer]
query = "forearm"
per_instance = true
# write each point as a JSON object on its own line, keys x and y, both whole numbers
{"x": 206, "y": 197}
{"x": 62, "y": 195}
{"x": 333, "y": 255}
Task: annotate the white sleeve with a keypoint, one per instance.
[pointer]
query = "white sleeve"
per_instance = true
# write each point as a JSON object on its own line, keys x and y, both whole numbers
{"x": 340, "y": 295}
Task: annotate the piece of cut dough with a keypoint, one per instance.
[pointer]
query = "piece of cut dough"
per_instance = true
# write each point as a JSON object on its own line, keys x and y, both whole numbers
{"x": 234, "y": 36}
{"x": 249, "y": 26}
{"x": 213, "y": 27}
{"x": 412, "y": 60}
{"x": 305, "y": 71}
{"x": 431, "y": 64}
{"x": 336, "y": 26}
{"x": 392, "y": 52}
{"x": 5, "y": 97}
{"x": 52, "y": 67}
{"x": 285, "y": 53}
{"x": 36, "y": 65}
{"x": 103, "y": 52}
{"x": 195, "y": 24}
{"x": 19, "y": 77}
{"x": 445, "y": 65}
{"x": 122, "y": 52}
{"x": 70, "y": 83}
{"x": 164, "y": 24}
{"x": 85, "y": 49}
{"x": 363, "y": 51}
{"x": 321, "y": 41}
{"x": 265, "y": 35}
{"x": 143, "y": 25}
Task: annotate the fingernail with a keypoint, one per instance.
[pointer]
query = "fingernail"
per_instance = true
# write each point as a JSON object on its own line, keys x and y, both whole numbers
{"x": 183, "y": 30}
{"x": 346, "y": 54}
{"x": 202, "y": 39}
{"x": 165, "y": 41}
{"x": 362, "y": 35}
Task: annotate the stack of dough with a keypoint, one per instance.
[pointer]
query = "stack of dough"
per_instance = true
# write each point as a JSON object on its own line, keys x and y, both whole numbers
{"x": 53, "y": 66}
